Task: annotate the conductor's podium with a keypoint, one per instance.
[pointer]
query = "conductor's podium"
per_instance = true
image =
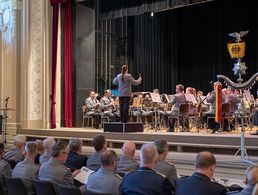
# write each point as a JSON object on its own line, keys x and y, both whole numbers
{"x": 119, "y": 127}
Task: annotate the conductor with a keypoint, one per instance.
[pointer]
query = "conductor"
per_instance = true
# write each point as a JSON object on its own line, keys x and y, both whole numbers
{"x": 124, "y": 81}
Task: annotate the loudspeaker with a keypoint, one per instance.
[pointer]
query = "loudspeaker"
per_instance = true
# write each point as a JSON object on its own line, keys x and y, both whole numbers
{"x": 123, "y": 127}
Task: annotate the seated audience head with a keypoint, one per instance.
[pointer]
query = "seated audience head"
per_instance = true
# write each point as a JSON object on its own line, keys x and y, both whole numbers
{"x": 40, "y": 146}
{"x": 205, "y": 163}
{"x": 60, "y": 151}
{"x": 31, "y": 150}
{"x": 19, "y": 141}
{"x": 156, "y": 91}
{"x": 128, "y": 149}
{"x": 148, "y": 155}
{"x": 99, "y": 143}
{"x": 109, "y": 160}
{"x": 179, "y": 88}
{"x": 48, "y": 143}
{"x": 1, "y": 150}
{"x": 252, "y": 175}
{"x": 162, "y": 148}
{"x": 75, "y": 145}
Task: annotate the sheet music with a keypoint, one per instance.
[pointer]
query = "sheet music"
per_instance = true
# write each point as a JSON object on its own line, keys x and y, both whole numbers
{"x": 155, "y": 97}
{"x": 83, "y": 175}
{"x": 190, "y": 98}
{"x": 203, "y": 98}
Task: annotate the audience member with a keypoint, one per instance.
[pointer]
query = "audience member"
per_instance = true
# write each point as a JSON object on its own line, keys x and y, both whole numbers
{"x": 126, "y": 162}
{"x": 104, "y": 179}
{"x": 100, "y": 146}
{"x": 47, "y": 143}
{"x": 145, "y": 180}
{"x": 5, "y": 168}
{"x": 163, "y": 166}
{"x": 40, "y": 151}
{"x": 200, "y": 182}
{"x": 54, "y": 170}
{"x": 75, "y": 159}
{"x": 16, "y": 154}
{"x": 27, "y": 170}
{"x": 251, "y": 181}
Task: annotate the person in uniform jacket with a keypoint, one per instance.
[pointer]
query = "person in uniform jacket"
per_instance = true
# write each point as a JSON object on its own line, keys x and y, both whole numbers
{"x": 5, "y": 168}
{"x": 162, "y": 165}
{"x": 211, "y": 99}
{"x": 145, "y": 180}
{"x": 16, "y": 154}
{"x": 178, "y": 98}
{"x": 92, "y": 105}
{"x": 126, "y": 162}
{"x": 107, "y": 105}
{"x": 27, "y": 170}
{"x": 47, "y": 143}
{"x": 199, "y": 183}
{"x": 75, "y": 159}
{"x": 100, "y": 146}
{"x": 251, "y": 181}
{"x": 104, "y": 180}
{"x": 124, "y": 80}
{"x": 54, "y": 170}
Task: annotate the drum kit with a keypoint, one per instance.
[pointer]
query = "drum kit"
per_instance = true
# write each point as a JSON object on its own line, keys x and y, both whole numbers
{"x": 3, "y": 120}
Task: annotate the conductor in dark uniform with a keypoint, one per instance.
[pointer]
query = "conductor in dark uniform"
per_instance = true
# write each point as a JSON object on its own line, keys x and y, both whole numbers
{"x": 200, "y": 182}
{"x": 145, "y": 180}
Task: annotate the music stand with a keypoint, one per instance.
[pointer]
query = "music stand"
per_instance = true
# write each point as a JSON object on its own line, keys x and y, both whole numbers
{"x": 155, "y": 98}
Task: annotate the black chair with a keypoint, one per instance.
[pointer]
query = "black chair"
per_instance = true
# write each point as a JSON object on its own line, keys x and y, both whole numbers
{"x": 88, "y": 192}
{"x": 12, "y": 163}
{"x": 43, "y": 187}
{"x": 15, "y": 186}
{"x": 68, "y": 190}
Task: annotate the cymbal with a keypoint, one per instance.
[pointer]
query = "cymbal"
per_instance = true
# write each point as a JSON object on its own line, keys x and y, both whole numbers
{"x": 7, "y": 109}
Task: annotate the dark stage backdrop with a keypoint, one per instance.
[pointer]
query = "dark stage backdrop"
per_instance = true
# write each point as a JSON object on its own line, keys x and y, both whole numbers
{"x": 188, "y": 45}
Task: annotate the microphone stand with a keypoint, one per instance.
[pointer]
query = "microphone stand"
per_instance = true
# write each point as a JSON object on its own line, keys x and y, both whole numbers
{"x": 4, "y": 132}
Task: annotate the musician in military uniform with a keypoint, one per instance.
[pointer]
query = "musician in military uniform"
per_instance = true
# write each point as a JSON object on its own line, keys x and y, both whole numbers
{"x": 126, "y": 161}
{"x": 211, "y": 98}
{"x": 179, "y": 98}
{"x": 162, "y": 165}
{"x": 147, "y": 109}
{"x": 92, "y": 105}
{"x": 146, "y": 180}
{"x": 104, "y": 180}
{"x": 107, "y": 105}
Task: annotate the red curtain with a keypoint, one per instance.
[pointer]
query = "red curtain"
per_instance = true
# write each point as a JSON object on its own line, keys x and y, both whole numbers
{"x": 67, "y": 63}
{"x": 68, "y": 114}
{"x": 54, "y": 59}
